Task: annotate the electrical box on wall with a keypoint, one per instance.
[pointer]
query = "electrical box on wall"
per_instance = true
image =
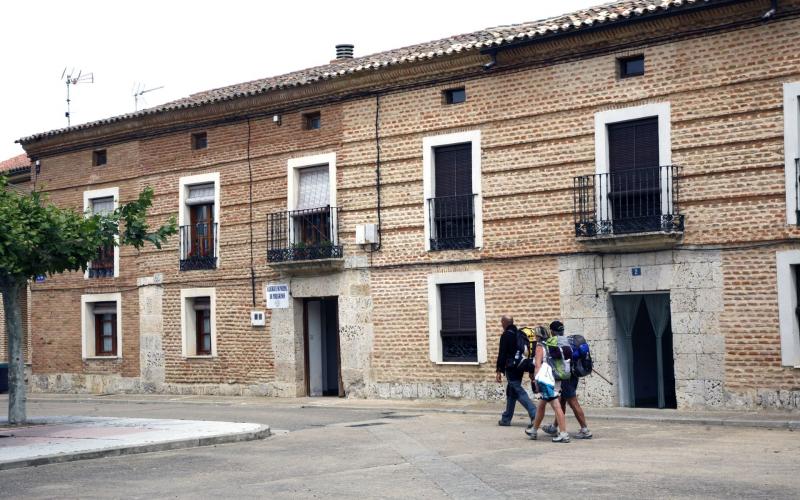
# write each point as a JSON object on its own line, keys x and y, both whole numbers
{"x": 257, "y": 318}
{"x": 366, "y": 233}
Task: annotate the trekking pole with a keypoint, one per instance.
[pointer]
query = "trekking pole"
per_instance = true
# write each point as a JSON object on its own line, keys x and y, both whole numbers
{"x": 595, "y": 372}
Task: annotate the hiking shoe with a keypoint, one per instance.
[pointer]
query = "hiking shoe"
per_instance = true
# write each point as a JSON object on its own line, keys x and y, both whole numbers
{"x": 550, "y": 429}
{"x": 532, "y": 434}
{"x": 503, "y": 423}
{"x": 563, "y": 437}
{"x": 584, "y": 434}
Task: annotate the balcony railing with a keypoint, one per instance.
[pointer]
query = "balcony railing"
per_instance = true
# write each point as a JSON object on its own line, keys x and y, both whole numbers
{"x": 298, "y": 235}
{"x": 198, "y": 246}
{"x": 644, "y": 200}
{"x": 452, "y": 222}
{"x": 103, "y": 265}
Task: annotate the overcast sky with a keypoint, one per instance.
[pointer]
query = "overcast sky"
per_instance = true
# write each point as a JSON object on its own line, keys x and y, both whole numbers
{"x": 189, "y": 46}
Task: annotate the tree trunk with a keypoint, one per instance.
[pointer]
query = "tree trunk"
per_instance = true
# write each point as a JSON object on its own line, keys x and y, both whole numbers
{"x": 16, "y": 365}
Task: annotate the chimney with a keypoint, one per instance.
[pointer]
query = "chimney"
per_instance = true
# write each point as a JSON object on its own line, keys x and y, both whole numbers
{"x": 344, "y": 51}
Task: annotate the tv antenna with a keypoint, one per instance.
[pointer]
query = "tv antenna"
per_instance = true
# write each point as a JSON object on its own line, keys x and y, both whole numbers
{"x": 139, "y": 90}
{"x": 71, "y": 78}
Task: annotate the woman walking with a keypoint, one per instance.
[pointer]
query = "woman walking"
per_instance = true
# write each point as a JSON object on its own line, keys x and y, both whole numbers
{"x": 547, "y": 387}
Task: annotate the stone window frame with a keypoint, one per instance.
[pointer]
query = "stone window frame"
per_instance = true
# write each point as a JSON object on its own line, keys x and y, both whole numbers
{"x": 184, "y": 183}
{"x": 293, "y": 176}
{"x": 787, "y": 304}
{"x": 602, "y": 119}
{"x": 188, "y": 332}
{"x": 791, "y": 146}
{"x": 435, "y": 314}
{"x": 88, "y": 196}
{"x": 88, "y": 325}
{"x": 428, "y": 189}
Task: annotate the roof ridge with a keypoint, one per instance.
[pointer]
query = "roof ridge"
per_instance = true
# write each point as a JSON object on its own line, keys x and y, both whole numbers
{"x": 486, "y": 38}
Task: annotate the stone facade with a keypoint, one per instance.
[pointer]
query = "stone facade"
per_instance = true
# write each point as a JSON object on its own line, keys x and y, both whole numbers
{"x": 721, "y": 71}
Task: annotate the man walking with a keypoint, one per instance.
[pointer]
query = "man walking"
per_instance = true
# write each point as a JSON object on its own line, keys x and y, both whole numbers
{"x": 506, "y": 364}
{"x": 569, "y": 396}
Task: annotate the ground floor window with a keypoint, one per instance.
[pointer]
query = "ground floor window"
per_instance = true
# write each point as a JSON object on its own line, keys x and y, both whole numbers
{"x": 102, "y": 328}
{"x": 198, "y": 322}
{"x": 788, "y": 267}
{"x": 105, "y": 328}
{"x": 457, "y": 317}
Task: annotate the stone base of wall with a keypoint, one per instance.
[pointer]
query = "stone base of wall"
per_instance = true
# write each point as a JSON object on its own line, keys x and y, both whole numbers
{"x": 593, "y": 391}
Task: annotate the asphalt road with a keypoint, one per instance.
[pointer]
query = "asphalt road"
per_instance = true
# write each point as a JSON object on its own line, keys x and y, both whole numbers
{"x": 346, "y": 453}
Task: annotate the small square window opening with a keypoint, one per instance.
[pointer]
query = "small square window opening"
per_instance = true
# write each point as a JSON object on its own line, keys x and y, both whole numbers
{"x": 199, "y": 140}
{"x": 99, "y": 157}
{"x": 312, "y": 121}
{"x": 631, "y": 66}
{"x": 455, "y": 96}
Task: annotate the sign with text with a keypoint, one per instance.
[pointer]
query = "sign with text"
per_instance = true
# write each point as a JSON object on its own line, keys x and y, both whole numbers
{"x": 277, "y": 295}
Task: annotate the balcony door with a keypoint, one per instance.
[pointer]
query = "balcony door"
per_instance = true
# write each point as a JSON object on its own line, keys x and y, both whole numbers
{"x": 635, "y": 181}
{"x": 202, "y": 232}
{"x": 452, "y": 209}
{"x": 311, "y": 219}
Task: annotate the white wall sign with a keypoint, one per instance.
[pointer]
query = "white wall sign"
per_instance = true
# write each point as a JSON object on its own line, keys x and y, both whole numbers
{"x": 277, "y": 295}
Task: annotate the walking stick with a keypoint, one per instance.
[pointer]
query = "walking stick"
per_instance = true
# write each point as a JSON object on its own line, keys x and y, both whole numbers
{"x": 595, "y": 372}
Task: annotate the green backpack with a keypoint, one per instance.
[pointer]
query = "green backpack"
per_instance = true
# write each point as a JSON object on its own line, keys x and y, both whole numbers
{"x": 562, "y": 365}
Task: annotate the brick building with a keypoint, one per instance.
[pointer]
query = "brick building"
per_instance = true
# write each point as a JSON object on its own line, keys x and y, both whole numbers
{"x": 630, "y": 168}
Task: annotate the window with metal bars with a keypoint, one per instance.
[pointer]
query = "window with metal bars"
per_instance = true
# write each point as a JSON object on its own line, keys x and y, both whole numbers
{"x": 451, "y": 211}
{"x": 634, "y": 182}
{"x": 458, "y": 322}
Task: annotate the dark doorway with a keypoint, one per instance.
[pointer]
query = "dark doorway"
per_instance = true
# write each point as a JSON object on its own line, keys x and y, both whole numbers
{"x": 322, "y": 354}
{"x": 647, "y": 381}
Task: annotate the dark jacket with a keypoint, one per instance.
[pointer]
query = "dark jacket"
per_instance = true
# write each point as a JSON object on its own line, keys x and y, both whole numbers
{"x": 508, "y": 348}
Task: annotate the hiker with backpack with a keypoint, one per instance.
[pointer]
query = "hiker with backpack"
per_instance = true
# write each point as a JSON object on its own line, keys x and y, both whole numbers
{"x": 547, "y": 384}
{"x": 569, "y": 388}
{"x": 511, "y": 360}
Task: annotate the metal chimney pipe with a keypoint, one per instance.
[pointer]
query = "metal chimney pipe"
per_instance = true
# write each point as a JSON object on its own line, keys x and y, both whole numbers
{"x": 344, "y": 51}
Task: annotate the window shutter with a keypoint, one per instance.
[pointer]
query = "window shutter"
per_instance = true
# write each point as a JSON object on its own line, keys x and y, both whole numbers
{"x": 102, "y": 206}
{"x": 313, "y": 188}
{"x": 633, "y": 144}
{"x": 105, "y": 308}
{"x": 453, "y": 170}
{"x": 200, "y": 194}
{"x": 458, "y": 307}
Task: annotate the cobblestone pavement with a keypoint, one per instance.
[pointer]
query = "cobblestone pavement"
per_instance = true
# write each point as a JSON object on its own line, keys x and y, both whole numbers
{"x": 333, "y": 451}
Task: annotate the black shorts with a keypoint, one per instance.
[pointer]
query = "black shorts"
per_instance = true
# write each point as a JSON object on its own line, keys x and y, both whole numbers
{"x": 569, "y": 388}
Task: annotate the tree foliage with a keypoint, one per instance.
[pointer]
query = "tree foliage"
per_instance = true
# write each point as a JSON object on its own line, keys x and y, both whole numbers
{"x": 38, "y": 238}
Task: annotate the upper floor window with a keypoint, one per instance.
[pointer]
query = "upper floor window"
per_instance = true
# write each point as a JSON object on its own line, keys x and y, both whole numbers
{"x": 99, "y": 157}
{"x": 791, "y": 150}
{"x": 631, "y": 66}
{"x": 102, "y": 202}
{"x": 198, "y": 244}
{"x": 451, "y": 183}
{"x": 455, "y": 96}
{"x": 199, "y": 140}
{"x": 312, "y": 121}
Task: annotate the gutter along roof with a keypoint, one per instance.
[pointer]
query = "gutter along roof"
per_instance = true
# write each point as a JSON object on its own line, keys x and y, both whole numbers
{"x": 608, "y": 14}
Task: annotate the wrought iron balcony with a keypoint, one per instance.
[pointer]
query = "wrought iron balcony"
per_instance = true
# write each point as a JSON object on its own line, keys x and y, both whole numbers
{"x": 643, "y": 200}
{"x": 302, "y": 235}
{"x": 198, "y": 246}
{"x": 452, "y": 222}
{"x": 103, "y": 265}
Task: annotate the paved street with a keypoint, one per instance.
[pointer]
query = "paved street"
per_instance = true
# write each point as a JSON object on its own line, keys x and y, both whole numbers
{"x": 334, "y": 452}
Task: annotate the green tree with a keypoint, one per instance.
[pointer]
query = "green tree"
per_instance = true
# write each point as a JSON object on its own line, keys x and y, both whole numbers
{"x": 38, "y": 238}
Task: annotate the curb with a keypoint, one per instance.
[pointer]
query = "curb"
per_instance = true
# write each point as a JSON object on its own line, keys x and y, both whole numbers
{"x": 791, "y": 425}
{"x": 262, "y": 433}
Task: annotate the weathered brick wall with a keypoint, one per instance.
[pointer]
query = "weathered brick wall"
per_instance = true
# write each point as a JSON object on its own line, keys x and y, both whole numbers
{"x": 752, "y": 336}
{"x": 537, "y": 127}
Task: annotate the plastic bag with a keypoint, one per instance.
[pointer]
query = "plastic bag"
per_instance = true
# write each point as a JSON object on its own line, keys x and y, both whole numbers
{"x": 545, "y": 375}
